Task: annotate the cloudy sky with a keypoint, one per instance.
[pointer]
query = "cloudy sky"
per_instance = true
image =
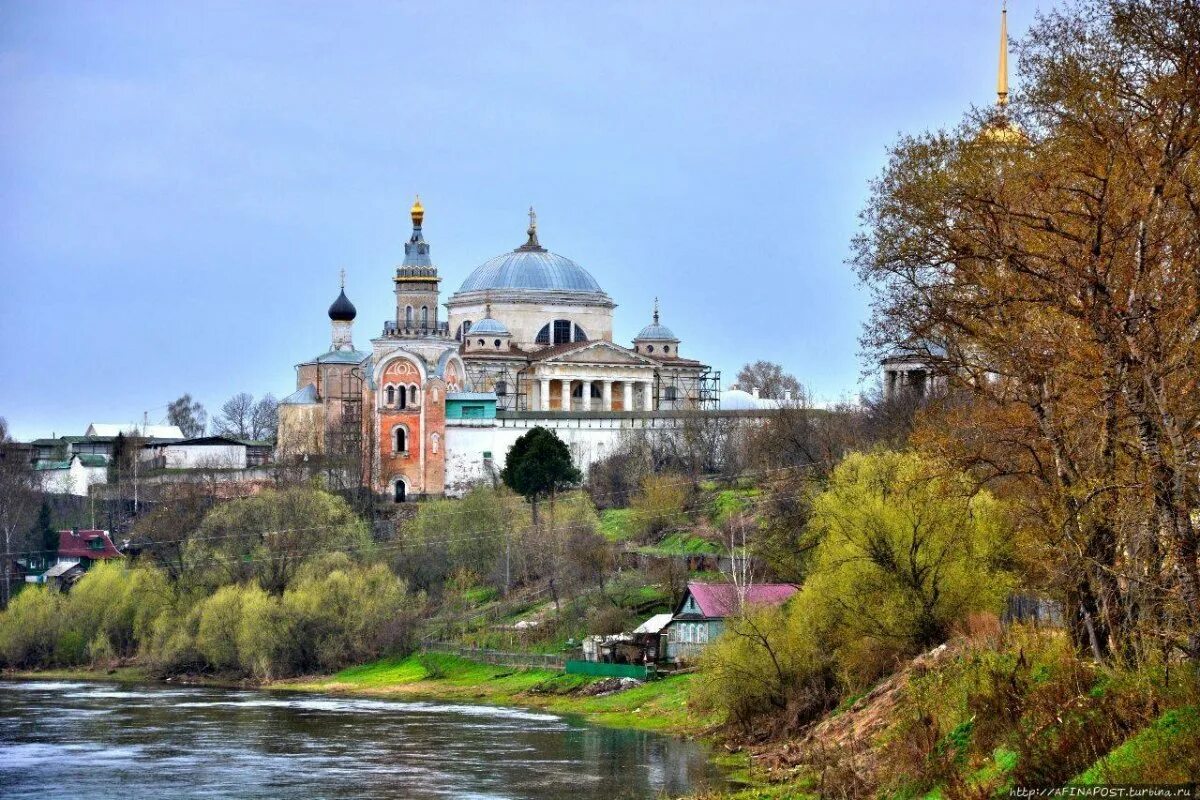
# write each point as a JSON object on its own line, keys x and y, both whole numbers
{"x": 180, "y": 182}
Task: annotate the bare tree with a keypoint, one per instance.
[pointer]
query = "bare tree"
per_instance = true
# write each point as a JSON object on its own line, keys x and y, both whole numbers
{"x": 236, "y": 417}
{"x": 769, "y": 378}
{"x": 19, "y": 498}
{"x": 264, "y": 418}
{"x": 189, "y": 415}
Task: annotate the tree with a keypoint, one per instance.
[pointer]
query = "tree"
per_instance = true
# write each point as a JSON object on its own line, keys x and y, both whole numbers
{"x": 269, "y": 536}
{"x": 236, "y": 419}
{"x": 19, "y": 496}
{"x": 769, "y": 378}
{"x": 539, "y": 464}
{"x": 1036, "y": 248}
{"x": 44, "y": 533}
{"x": 188, "y": 414}
{"x": 264, "y": 418}
{"x": 906, "y": 551}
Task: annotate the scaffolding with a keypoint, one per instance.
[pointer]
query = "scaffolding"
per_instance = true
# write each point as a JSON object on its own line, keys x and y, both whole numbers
{"x": 487, "y": 376}
{"x": 700, "y": 389}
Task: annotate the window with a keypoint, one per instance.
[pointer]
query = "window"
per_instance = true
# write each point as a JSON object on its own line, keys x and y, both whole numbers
{"x": 577, "y": 391}
{"x": 433, "y": 442}
{"x": 666, "y": 348}
{"x": 424, "y": 316}
{"x": 649, "y": 348}
{"x": 408, "y": 317}
{"x": 497, "y": 344}
{"x": 562, "y": 331}
{"x": 559, "y": 332}
{"x": 401, "y": 440}
{"x": 403, "y": 401}
{"x": 481, "y": 342}
{"x": 461, "y": 333}
{"x": 401, "y": 492}
{"x": 391, "y": 395}
{"x": 501, "y": 388}
{"x": 670, "y": 393}
{"x": 414, "y": 395}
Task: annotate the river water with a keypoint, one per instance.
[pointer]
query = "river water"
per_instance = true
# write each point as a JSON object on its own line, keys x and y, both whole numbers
{"x": 95, "y": 740}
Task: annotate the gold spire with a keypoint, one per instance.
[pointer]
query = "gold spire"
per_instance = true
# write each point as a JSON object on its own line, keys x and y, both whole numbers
{"x": 1002, "y": 77}
{"x": 418, "y": 212}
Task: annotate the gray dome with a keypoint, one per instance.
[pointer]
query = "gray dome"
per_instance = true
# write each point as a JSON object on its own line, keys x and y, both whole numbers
{"x": 537, "y": 270}
{"x": 656, "y": 332}
{"x": 342, "y": 309}
{"x": 489, "y": 326}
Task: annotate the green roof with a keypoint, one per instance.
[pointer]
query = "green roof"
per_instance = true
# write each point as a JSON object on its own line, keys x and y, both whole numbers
{"x": 93, "y": 460}
{"x": 42, "y": 466}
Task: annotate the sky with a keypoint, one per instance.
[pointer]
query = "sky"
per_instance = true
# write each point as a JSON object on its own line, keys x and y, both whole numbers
{"x": 180, "y": 183}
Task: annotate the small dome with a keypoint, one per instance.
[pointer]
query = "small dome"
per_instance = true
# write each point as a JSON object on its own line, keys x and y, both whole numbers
{"x": 342, "y": 309}
{"x": 740, "y": 400}
{"x": 492, "y": 327}
{"x": 656, "y": 332}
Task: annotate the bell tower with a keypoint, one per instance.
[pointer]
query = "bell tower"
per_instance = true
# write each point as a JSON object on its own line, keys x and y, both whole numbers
{"x": 417, "y": 283}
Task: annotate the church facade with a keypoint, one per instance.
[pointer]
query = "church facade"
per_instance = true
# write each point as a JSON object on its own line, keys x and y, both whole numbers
{"x": 528, "y": 339}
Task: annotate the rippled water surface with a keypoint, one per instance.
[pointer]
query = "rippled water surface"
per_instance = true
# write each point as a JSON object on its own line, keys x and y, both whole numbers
{"x": 61, "y": 739}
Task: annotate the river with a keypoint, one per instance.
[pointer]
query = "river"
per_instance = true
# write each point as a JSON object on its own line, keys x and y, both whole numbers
{"x": 98, "y": 740}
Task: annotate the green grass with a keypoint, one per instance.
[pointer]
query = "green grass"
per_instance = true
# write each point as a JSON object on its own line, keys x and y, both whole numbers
{"x": 654, "y": 706}
{"x": 617, "y": 524}
{"x": 681, "y": 544}
{"x": 728, "y": 502}
{"x": 1158, "y": 754}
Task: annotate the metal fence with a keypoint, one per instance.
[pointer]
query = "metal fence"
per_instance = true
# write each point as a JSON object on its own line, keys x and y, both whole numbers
{"x": 501, "y": 658}
{"x": 600, "y": 668}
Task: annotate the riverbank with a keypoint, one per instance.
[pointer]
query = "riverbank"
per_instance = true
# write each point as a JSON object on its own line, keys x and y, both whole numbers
{"x": 658, "y": 706}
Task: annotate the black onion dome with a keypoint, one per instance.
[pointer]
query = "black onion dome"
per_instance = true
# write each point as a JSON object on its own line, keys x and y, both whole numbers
{"x": 342, "y": 309}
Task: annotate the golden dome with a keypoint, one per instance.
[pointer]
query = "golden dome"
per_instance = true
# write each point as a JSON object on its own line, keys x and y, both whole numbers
{"x": 418, "y": 211}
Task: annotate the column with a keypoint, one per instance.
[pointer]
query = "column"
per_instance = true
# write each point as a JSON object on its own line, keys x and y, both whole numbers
{"x": 545, "y": 398}
{"x": 587, "y": 394}
{"x": 628, "y": 387}
{"x": 565, "y": 405}
{"x": 606, "y": 395}
{"x": 647, "y": 396}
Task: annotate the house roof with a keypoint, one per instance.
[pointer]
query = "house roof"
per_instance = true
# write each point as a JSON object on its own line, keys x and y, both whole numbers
{"x": 206, "y": 441}
{"x": 77, "y": 544}
{"x": 61, "y": 568}
{"x": 470, "y": 396}
{"x": 145, "y": 431}
{"x": 721, "y": 599}
{"x": 654, "y": 625}
{"x": 306, "y": 395}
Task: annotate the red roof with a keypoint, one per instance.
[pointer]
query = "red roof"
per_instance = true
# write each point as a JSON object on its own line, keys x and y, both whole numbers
{"x": 721, "y": 599}
{"x": 78, "y": 544}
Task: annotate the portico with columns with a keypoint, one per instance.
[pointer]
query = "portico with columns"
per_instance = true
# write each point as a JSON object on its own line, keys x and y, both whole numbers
{"x": 592, "y": 376}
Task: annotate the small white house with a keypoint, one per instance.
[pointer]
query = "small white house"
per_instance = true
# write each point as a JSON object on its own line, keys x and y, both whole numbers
{"x": 74, "y": 475}
{"x": 205, "y": 452}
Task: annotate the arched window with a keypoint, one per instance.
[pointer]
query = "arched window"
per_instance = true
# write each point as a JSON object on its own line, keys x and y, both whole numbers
{"x": 497, "y": 343}
{"x": 424, "y": 316}
{"x": 649, "y": 348}
{"x": 560, "y": 332}
{"x": 501, "y": 388}
{"x": 414, "y": 396}
{"x": 403, "y": 399}
{"x": 666, "y": 348}
{"x": 577, "y": 391}
{"x": 401, "y": 491}
{"x": 400, "y": 439}
{"x": 461, "y": 333}
{"x": 481, "y": 342}
{"x": 408, "y": 317}
{"x": 391, "y": 395}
